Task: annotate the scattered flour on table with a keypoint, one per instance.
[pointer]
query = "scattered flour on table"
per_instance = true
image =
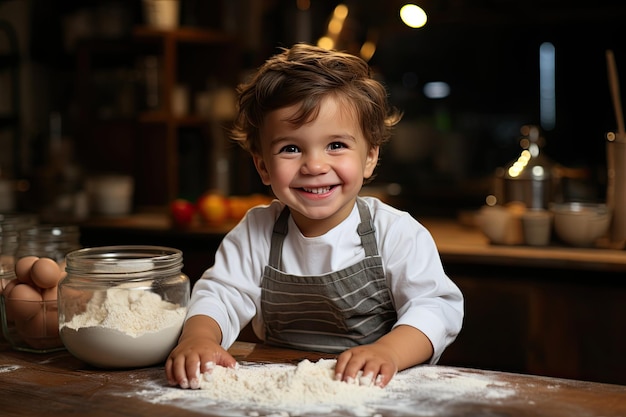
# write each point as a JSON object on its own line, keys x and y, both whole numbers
{"x": 133, "y": 312}
{"x": 8, "y": 368}
{"x": 309, "y": 388}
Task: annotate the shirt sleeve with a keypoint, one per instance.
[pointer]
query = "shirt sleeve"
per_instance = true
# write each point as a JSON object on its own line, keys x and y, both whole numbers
{"x": 230, "y": 290}
{"x": 424, "y": 296}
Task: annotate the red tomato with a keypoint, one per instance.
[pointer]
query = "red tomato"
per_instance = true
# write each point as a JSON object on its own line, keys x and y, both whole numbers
{"x": 182, "y": 212}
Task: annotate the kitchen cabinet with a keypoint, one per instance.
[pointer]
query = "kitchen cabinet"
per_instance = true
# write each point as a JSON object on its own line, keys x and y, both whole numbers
{"x": 553, "y": 322}
{"x": 554, "y": 310}
{"x": 138, "y": 131}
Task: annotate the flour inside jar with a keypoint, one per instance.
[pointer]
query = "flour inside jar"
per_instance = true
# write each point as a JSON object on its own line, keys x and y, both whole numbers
{"x": 124, "y": 327}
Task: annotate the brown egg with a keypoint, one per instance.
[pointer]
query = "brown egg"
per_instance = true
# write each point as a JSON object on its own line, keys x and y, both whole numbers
{"x": 45, "y": 273}
{"x": 23, "y": 267}
{"x": 24, "y": 302}
{"x": 50, "y": 294}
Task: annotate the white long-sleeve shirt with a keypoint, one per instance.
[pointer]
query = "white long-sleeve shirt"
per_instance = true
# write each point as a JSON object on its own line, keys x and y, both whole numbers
{"x": 423, "y": 295}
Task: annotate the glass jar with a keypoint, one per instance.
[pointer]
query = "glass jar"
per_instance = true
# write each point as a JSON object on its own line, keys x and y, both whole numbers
{"x": 123, "y": 306}
{"x": 28, "y": 303}
{"x": 50, "y": 241}
{"x": 17, "y": 221}
{"x": 8, "y": 246}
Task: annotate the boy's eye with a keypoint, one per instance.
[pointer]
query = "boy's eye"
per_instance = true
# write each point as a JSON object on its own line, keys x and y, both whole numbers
{"x": 336, "y": 145}
{"x": 289, "y": 149}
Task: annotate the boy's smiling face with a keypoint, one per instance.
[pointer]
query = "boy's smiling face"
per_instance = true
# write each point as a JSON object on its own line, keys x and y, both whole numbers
{"x": 316, "y": 169}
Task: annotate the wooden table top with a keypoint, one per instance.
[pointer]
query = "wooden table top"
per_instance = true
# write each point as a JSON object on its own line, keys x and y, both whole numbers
{"x": 57, "y": 384}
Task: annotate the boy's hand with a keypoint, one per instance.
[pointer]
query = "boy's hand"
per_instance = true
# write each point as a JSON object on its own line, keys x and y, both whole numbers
{"x": 403, "y": 347}
{"x": 197, "y": 352}
{"x": 376, "y": 362}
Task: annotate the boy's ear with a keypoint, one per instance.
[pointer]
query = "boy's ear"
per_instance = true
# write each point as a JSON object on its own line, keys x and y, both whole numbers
{"x": 261, "y": 168}
{"x": 371, "y": 161}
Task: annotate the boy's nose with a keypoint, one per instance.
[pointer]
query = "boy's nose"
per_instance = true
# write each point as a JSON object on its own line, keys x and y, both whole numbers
{"x": 314, "y": 164}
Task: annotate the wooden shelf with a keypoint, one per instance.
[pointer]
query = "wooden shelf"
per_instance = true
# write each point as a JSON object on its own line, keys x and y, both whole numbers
{"x": 173, "y": 52}
{"x": 185, "y": 56}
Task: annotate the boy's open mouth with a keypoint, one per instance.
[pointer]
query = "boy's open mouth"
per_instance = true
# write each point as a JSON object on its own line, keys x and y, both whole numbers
{"x": 317, "y": 190}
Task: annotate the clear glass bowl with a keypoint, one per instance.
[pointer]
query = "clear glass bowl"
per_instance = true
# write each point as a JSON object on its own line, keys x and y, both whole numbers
{"x": 30, "y": 325}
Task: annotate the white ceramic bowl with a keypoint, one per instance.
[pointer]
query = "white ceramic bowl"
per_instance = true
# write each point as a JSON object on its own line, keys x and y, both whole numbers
{"x": 581, "y": 224}
{"x": 501, "y": 225}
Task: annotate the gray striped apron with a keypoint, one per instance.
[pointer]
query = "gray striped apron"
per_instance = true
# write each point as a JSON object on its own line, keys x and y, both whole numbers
{"x": 331, "y": 312}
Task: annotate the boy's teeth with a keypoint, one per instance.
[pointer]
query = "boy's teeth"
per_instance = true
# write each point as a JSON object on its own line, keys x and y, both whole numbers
{"x": 319, "y": 190}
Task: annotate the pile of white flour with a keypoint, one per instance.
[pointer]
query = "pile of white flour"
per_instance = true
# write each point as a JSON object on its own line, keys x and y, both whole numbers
{"x": 132, "y": 312}
{"x": 307, "y": 384}
{"x": 123, "y": 327}
{"x": 309, "y": 389}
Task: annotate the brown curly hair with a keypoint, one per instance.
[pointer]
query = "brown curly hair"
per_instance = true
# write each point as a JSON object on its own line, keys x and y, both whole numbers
{"x": 305, "y": 75}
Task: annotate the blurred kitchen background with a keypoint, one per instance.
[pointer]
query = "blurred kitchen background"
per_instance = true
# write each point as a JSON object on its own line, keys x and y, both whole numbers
{"x": 91, "y": 89}
{"x": 110, "y": 110}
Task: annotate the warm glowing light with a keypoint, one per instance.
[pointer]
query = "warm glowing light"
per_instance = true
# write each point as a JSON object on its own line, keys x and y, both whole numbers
{"x": 518, "y": 166}
{"x": 341, "y": 12}
{"x": 326, "y": 43}
{"x": 513, "y": 172}
{"x": 367, "y": 50}
{"x": 413, "y": 16}
{"x": 525, "y": 155}
{"x": 335, "y": 26}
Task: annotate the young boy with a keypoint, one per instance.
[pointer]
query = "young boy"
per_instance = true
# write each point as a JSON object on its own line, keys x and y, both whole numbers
{"x": 320, "y": 268}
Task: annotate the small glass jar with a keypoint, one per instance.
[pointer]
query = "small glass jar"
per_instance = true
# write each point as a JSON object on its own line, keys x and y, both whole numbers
{"x": 28, "y": 303}
{"x": 8, "y": 246}
{"x": 50, "y": 241}
{"x": 18, "y": 221}
{"x": 10, "y": 227}
{"x": 123, "y": 306}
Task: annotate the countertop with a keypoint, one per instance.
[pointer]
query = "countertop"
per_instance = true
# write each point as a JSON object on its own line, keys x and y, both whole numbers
{"x": 457, "y": 243}
{"x": 57, "y": 384}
